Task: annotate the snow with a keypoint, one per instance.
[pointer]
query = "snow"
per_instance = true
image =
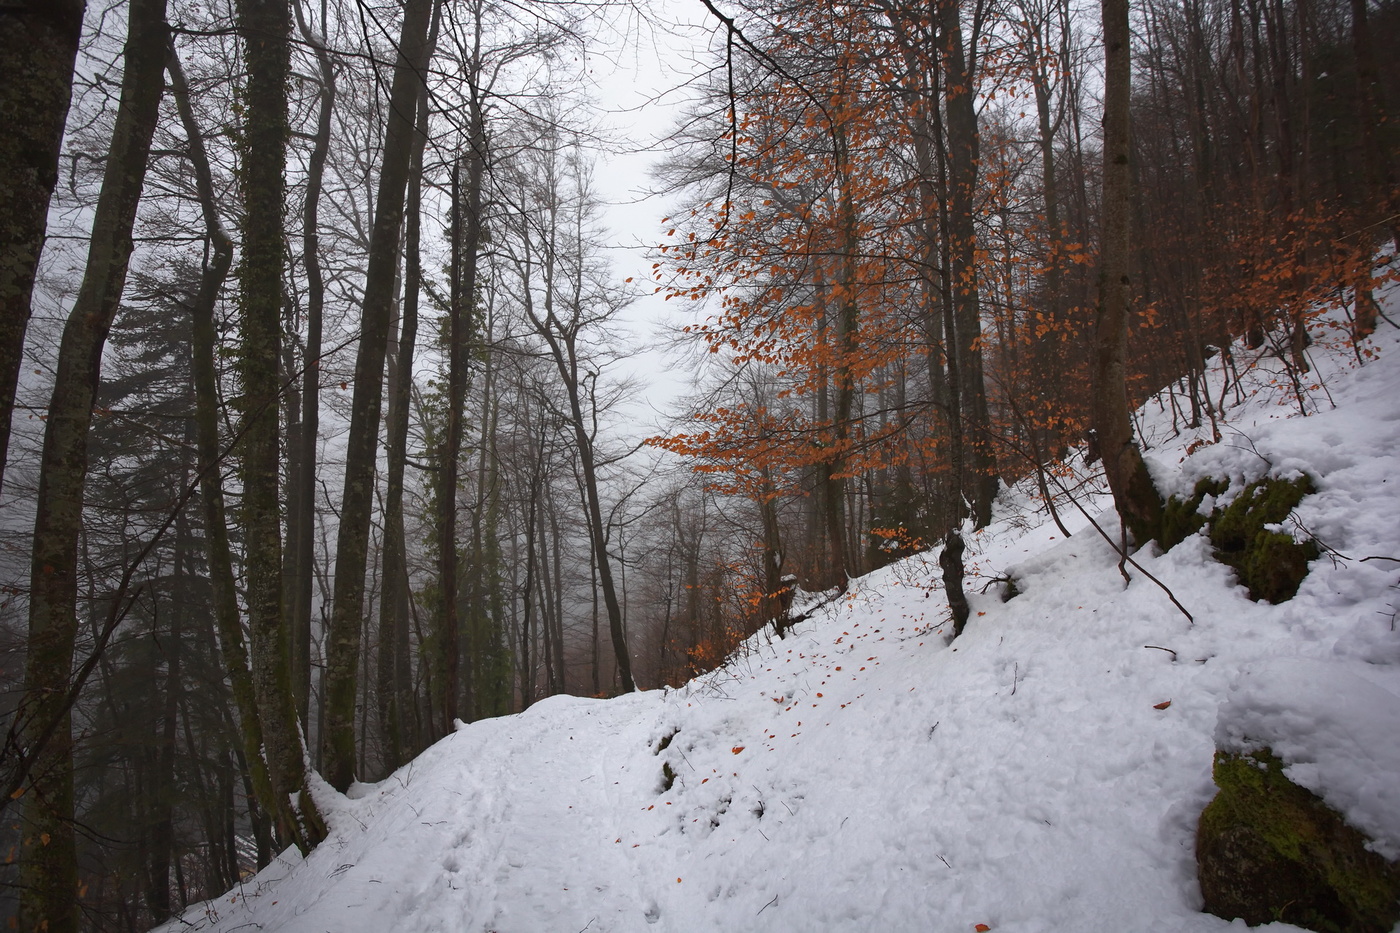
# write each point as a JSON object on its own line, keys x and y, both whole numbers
{"x": 1042, "y": 773}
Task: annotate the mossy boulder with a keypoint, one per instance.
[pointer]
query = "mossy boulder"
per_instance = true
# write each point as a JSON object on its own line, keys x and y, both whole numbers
{"x": 1269, "y": 562}
{"x": 1182, "y": 518}
{"x": 1268, "y": 850}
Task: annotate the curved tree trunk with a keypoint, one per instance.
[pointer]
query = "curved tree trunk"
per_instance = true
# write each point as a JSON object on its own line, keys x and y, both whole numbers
{"x": 211, "y": 492}
{"x": 49, "y": 869}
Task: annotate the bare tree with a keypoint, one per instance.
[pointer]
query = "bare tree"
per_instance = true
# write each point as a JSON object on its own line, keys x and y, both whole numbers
{"x": 564, "y": 300}
{"x": 49, "y": 867}
{"x": 1139, "y": 504}
{"x": 343, "y": 638}
{"x": 265, "y": 25}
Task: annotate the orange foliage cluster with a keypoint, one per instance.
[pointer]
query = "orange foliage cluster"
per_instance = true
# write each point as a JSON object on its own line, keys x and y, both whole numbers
{"x": 824, "y": 289}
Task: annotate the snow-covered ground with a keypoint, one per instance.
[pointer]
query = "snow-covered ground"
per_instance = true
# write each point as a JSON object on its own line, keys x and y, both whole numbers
{"x": 1043, "y": 773}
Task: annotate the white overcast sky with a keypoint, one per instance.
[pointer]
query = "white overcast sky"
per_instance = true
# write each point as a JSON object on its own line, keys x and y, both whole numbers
{"x": 642, "y": 70}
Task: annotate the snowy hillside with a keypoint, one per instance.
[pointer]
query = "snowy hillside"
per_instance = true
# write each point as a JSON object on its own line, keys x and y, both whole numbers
{"x": 1043, "y": 773}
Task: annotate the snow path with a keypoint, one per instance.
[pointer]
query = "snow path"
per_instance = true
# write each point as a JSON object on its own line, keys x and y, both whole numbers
{"x": 1044, "y": 773}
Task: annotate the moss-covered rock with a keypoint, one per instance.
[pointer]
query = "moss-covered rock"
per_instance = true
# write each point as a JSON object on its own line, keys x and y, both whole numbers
{"x": 1181, "y": 518}
{"x": 1270, "y": 563}
{"x": 1267, "y": 850}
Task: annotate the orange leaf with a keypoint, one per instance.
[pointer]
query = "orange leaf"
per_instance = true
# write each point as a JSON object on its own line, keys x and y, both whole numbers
{"x": 981, "y": 928}
{"x": 1163, "y": 705}
{"x": 737, "y": 749}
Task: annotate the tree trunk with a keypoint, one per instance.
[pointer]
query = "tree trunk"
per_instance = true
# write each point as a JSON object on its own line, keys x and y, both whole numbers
{"x": 950, "y": 559}
{"x": 393, "y": 603}
{"x": 352, "y": 545}
{"x": 301, "y": 485}
{"x": 162, "y": 786}
{"x": 38, "y": 44}
{"x": 596, "y": 527}
{"x": 265, "y": 25}
{"x": 211, "y": 492}
{"x": 466, "y": 244}
{"x": 48, "y": 872}
{"x": 1139, "y": 504}
{"x": 963, "y": 145}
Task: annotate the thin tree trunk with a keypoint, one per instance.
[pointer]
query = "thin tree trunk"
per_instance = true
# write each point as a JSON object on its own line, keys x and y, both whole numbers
{"x": 301, "y": 487}
{"x": 448, "y": 646}
{"x": 847, "y": 343}
{"x": 162, "y": 790}
{"x": 211, "y": 492}
{"x": 598, "y": 532}
{"x": 466, "y": 244}
{"x": 38, "y": 44}
{"x": 393, "y": 604}
{"x": 1139, "y": 504}
{"x": 527, "y": 670}
{"x": 265, "y": 25}
{"x": 963, "y": 146}
{"x": 48, "y": 869}
{"x": 343, "y": 637}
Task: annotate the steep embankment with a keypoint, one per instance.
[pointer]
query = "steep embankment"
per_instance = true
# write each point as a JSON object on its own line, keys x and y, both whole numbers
{"x": 1043, "y": 773}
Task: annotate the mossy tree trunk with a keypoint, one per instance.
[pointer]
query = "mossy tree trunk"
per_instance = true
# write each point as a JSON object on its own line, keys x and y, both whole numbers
{"x": 264, "y": 25}
{"x": 206, "y": 399}
{"x": 357, "y": 498}
{"x": 1138, "y": 502}
{"x": 49, "y": 869}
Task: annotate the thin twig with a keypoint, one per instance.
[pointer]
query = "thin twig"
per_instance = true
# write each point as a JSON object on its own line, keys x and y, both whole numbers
{"x": 1123, "y": 552}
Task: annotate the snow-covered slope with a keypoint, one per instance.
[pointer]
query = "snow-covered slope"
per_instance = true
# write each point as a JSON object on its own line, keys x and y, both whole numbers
{"x": 1043, "y": 773}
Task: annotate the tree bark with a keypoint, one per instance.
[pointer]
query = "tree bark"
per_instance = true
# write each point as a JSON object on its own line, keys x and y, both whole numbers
{"x": 48, "y": 873}
{"x": 391, "y": 673}
{"x": 1138, "y": 502}
{"x": 980, "y": 476}
{"x": 568, "y": 367}
{"x": 265, "y": 25}
{"x": 38, "y": 44}
{"x": 393, "y": 604}
{"x": 301, "y": 491}
{"x": 211, "y": 491}
{"x": 352, "y": 545}
{"x": 950, "y": 559}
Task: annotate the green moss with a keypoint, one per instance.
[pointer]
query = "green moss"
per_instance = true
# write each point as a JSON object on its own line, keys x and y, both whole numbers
{"x": 1271, "y": 564}
{"x": 1270, "y": 850}
{"x": 1181, "y": 518}
{"x": 1266, "y": 502}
